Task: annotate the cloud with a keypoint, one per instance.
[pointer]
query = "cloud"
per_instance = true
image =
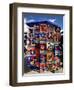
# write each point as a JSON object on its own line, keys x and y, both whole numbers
{"x": 28, "y": 21}
{"x": 52, "y": 20}
{"x": 31, "y": 20}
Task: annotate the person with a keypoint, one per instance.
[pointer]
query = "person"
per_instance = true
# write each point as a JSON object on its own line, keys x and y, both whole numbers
{"x": 58, "y": 34}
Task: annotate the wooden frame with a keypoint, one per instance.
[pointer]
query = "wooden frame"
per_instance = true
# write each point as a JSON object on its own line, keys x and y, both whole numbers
{"x": 13, "y": 43}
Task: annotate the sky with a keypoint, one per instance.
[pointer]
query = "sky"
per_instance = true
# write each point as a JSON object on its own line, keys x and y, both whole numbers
{"x": 54, "y": 18}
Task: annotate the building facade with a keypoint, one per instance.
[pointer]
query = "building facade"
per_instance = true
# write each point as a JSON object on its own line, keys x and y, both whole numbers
{"x": 43, "y": 47}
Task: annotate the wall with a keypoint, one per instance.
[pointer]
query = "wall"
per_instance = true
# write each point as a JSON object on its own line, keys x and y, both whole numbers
{"x": 4, "y": 46}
